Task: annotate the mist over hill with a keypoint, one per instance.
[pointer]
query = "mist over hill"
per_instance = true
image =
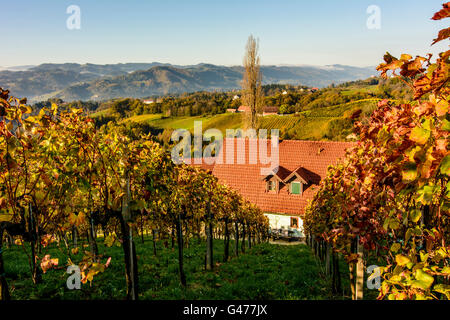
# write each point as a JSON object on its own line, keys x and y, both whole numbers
{"x": 72, "y": 81}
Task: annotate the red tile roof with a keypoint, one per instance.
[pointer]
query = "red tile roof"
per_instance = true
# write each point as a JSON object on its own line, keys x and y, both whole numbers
{"x": 281, "y": 173}
{"x": 265, "y": 109}
{"x": 300, "y": 173}
{"x": 308, "y": 159}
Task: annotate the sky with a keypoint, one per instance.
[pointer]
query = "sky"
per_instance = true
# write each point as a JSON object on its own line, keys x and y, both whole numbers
{"x": 186, "y": 32}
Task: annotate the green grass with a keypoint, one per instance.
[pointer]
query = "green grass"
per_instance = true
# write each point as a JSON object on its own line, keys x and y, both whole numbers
{"x": 311, "y": 128}
{"x": 315, "y": 124}
{"x": 143, "y": 118}
{"x": 279, "y": 122}
{"x": 358, "y": 89}
{"x": 99, "y": 113}
{"x": 157, "y": 121}
{"x": 267, "y": 271}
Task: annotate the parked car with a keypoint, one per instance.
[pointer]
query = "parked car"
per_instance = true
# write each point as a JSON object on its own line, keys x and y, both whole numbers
{"x": 286, "y": 234}
{"x": 274, "y": 233}
{"x": 296, "y": 235}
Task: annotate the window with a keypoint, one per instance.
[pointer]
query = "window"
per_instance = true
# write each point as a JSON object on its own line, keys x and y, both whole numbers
{"x": 271, "y": 185}
{"x": 296, "y": 187}
{"x": 294, "y": 222}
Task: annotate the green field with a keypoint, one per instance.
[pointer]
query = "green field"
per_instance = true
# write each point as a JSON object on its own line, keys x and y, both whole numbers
{"x": 100, "y": 113}
{"x": 359, "y": 89}
{"x": 143, "y": 117}
{"x": 317, "y": 124}
{"x": 266, "y": 271}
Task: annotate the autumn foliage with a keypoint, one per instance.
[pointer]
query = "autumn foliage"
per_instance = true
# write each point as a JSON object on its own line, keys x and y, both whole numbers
{"x": 391, "y": 192}
{"x": 59, "y": 175}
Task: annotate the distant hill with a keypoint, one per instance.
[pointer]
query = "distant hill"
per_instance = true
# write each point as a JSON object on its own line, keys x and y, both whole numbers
{"x": 17, "y": 68}
{"x": 71, "y": 81}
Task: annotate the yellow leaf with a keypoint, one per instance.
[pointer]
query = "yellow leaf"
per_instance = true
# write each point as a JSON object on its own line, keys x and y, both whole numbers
{"x": 442, "y": 108}
{"x": 395, "y": 247}
{"x": 402, "y": 260}
{"x": 5, "y": 217}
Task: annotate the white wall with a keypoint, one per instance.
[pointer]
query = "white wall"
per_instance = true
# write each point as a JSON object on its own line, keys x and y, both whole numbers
{"x": 278, "y": 221}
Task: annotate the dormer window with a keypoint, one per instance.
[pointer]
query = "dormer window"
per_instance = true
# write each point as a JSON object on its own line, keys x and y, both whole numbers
{"x": 296, "y": 187}
{"x": 296, "y": 180}
{"x": 271, "y": 185}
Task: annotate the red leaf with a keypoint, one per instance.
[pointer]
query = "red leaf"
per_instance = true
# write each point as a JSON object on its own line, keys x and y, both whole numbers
{"x": 442, "y": 35}
{"x": 443, "y": 13}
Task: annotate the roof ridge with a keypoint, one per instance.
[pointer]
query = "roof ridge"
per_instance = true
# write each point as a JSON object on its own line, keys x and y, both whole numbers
{"x": 320, "y": 141}
{"x": 291, "y": 140}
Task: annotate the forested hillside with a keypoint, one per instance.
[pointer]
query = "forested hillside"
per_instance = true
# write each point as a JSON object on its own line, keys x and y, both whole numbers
{"x": 325, "y": 114}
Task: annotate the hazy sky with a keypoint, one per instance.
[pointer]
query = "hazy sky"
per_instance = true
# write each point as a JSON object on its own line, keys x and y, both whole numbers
{"x": 193, "y": 31}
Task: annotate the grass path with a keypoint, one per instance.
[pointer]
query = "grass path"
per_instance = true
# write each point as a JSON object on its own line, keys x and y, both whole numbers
{"x": 267, "y": 271}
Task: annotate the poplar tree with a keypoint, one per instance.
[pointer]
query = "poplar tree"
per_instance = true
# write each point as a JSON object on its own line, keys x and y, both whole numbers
{"x": 251, "y": 84}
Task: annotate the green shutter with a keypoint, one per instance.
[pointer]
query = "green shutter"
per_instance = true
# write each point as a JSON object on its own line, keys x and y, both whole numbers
{"x": 295, "y": 187}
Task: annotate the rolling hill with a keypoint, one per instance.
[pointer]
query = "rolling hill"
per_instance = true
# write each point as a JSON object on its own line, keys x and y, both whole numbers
{"x": 71, "y": 81}
{"x": 329, "y": 123}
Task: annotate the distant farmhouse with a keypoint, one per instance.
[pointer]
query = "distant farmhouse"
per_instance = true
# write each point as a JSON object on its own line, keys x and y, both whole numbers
{"x": 267, "y": 110}
{"x": 283, "y": 194}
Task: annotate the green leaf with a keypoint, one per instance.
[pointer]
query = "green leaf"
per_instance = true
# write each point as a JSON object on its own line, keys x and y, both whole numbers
{"x": 415, "y": 215}
{"x": 383, "y": 135}
{"x": 445, "y": 125}
{"x": 408, "y": 234}
{"x": 409, "y": 172}
{"x": 394, "y": 224}
{"x": 427, "y": 124}
{"x": 420, "y": 135}
{"x": 425, "y": 195}
{"x": 424, "y": 280}
{"x": 445, "y": 165}
{"x": 423, "y": 256}
{"x": 443, "y": 288}
{"x": 396, "y": 247}
{"x": 411, "y": 152}
{"x": 446, "y": 270}
{"x": 5, "y": 217}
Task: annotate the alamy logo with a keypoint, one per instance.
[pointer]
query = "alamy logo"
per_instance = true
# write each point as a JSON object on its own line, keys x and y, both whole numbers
{"x": 73, "y": 22}
{"x": 212, "y": 153}
{"x": 74, "y": 280}
{"x": 374, "y": 280}
{"x": 374, "y": 20}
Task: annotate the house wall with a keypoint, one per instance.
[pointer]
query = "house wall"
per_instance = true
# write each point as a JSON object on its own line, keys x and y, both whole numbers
{"x": 279, "y": 221}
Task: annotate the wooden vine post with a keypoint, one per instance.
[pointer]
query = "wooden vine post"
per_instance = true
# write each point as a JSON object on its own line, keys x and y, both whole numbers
{"x": 351, "y": 269}
{"x": 35, "y": 271}
{"x": 130, "y": 253}
{"x": 328, "y": 266}
{"x": 243, "y": 237}
{"x": 179, "y": 228}
{"x": 236, "y": 238}
{"x": 4, "y": 291}
{"x": 226, "y": 241}
{"x": 209, "y": 237}
{"x": 359, "y": 272}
